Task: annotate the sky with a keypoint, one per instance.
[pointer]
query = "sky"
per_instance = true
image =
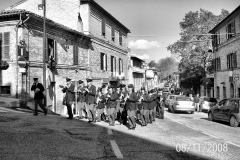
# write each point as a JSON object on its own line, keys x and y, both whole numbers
{"x": 154, "y": 24}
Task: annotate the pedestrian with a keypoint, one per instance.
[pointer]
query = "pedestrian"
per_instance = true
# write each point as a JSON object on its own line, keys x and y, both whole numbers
{"x": 91, "y": 101}
{"x": 131, "y": 106}
{"x": 69, "y": 96}
{"x": 81, "y": 99}
{"x": 142, "y": 102}
{"x": 112, "y": 104}
{"x": 123, "y": 105}
{"x": 151, "y": 106}
{"x": 196, "y": 102}
{"x": 101, "y": 102}
{"x": 38, "y": 96}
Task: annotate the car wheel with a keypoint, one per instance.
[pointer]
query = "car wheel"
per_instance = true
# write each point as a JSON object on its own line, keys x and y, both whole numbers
{"x": 210, "y": 116}
{"x": 192, "y": 112}
{"x": 233, "y": 122}
{"x": 169, "y": 109}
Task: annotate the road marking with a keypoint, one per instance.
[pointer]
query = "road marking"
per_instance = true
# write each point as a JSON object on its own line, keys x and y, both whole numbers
{"x": 109, "y": 131}
{"x": 116, "y": 149}
{"x": 229, "y": 142}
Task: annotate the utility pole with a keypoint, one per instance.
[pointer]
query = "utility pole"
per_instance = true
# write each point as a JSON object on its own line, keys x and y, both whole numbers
{"x": 44, "y": 50}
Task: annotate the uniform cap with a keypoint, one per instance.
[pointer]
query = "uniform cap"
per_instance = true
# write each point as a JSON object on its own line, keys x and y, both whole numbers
{"x": 80, "y": 81}
{"x": 89, "y": 80}
{"x": 68, "y": 79}
{"x": 130, "y": 86}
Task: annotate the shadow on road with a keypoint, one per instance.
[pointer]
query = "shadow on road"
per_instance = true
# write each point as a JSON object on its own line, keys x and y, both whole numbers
{"x": 54, "y": 137}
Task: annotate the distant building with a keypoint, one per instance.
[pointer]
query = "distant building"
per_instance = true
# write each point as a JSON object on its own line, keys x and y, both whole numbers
{"x": 136, "y": 72}
{"x": 226, "y": 49}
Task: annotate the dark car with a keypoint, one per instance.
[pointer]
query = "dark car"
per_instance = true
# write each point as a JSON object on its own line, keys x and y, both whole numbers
{"x": 226, "y": 110}
{"x": 206, "y": 103}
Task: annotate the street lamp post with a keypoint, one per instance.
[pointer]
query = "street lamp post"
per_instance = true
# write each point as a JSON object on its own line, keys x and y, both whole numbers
{"x": 44, "y": 49}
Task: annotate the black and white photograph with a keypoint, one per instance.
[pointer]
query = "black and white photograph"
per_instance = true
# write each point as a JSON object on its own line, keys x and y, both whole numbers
{"x": 119, "y": 79}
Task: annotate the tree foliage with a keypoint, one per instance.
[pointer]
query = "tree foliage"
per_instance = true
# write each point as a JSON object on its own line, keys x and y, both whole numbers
{"x": 167, "y": 66}
{"x": 194, "y": 43}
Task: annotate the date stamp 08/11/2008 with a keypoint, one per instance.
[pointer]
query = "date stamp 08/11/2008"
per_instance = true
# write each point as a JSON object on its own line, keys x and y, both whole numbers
{"x": 205, "y": 147}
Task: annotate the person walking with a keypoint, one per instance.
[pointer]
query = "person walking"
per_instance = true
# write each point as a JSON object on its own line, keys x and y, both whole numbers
{"x": 38, "y": 96}
{"x": 196, "y": 102}
{"x": 69, "y": 96}
{"x": 101, "y": 102}
{"x": 91, "y": 101}
{"x": 131, "y": 107}
{"x": 81, "y": 99}
{"x": 112, "y": 104}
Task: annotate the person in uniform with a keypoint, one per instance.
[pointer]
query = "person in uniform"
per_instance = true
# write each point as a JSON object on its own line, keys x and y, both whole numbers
{"x": 151, "y": 106}
{"x": 112, "y": 104}
{"x": 154, "y": 103}
{"x": 144, "y": 112}
{"x": 131, "y": 107}
{"x": 91, "y": 100}
{"x": 81, "y": 100}
{"x": 101, "y": 102}
{"x": 69, "y": 97}
{"x": 38, "y": 96}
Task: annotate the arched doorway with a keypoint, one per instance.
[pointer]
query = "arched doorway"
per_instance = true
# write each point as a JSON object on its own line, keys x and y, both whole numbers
{"x": 231, "y": 90}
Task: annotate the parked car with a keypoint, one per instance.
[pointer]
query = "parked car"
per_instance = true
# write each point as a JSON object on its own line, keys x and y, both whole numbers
{"x": 226, "y": 110}
{"x": 180, "y": 103}
{"x": 206, "y": 103}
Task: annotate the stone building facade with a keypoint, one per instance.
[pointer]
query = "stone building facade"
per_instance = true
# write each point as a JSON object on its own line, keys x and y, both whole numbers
{"x": 226, "y": 49}
{"x": 83, "y": 38}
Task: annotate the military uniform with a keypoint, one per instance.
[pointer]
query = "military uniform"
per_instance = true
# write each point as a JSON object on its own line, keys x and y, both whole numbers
{"x": 145, "y": 104}
{"x": 91, "y": 102}
{"x": 131, "y": 106}
{"x": 100, "y": 106}
{"x": 112, "y": 104}
{"x": 69, "y": 97}
{"x": 81, "y": 100}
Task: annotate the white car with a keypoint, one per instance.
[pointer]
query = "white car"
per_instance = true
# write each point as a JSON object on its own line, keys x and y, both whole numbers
{"x": 180, "y": 103}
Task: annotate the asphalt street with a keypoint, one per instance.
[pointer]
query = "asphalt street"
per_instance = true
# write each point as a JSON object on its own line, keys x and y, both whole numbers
{"x": 179, "y": 136}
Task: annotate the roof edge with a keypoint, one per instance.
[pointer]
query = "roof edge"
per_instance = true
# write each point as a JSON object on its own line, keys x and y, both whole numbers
{"x": 221, "y": 22}
{"x": 107, "y": 13}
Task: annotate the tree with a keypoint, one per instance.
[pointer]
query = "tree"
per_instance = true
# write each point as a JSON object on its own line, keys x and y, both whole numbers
{"x": 167, "y": 66}
{"x": 152, "y": 64}
{"x": 194, "y": 43}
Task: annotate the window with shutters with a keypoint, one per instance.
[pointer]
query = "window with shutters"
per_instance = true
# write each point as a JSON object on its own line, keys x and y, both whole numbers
{"x": 115, "y": 65}
{"x": 112, "y": 62}
{"x": 120, "y": 38}
{"x": 232, "y": 61}
{"x": 103, "y": 27}
{"x": 5, "y": 45}
{"x": 217, "y": 64}
{"x": 75, "y": 55}
{"x": 113, "y": 34}
{"x": 0, "y": 46}
{"x": 230, "y": 30}
{"x": 103, "y": 62}
{"x": 218, "y": 92}
{"x": 120, "y": 66}
{"x": 51, "y": 50}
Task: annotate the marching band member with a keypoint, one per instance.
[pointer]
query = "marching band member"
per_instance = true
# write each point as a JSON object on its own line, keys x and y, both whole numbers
{"x": 131, "y": 107}
{"x": 91, "y": 100}
{"x": 101, "y": 102}
{"x": 81, "y": 99}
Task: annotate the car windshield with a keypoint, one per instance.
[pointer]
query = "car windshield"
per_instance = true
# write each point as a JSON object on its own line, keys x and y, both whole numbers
{"x": 183, "y": 99}
{"x": 209, "y": 99}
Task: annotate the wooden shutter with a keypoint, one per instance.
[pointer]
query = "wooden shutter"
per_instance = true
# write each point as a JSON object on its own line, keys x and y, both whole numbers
{"x": 234, "y": 60}
{"x": 227, "y": 32}
{"x": 55, "y": 52}
{"x": 6, "y": 45}
{"x": 115, "y": 64}
{"x": 219, "y": 63}
{"x": 112, "y": 63}
{"x": 233, "y": 29}
{"x": 113, "y": 34}
{"x": 119, "y": 66}
{"x": 75, "y": 55}
{"x": 102, "y": 61}
{"x": 106, "y": 63}
{"x": 120, "y": 38}
{"x": 228, "y": 64}
{"x": 103, "y": 27}
{"x": 1, "y": 46}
